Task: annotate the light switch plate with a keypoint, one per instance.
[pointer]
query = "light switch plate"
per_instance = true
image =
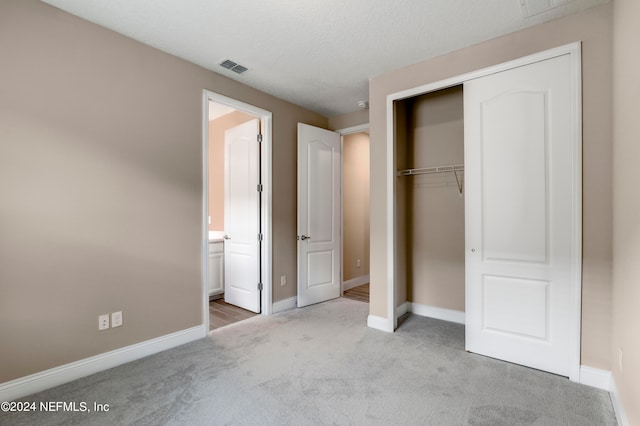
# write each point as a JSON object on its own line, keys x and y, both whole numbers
{"x": 116, "y": 319}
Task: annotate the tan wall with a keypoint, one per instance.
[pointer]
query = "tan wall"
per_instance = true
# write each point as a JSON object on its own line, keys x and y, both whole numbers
{"x": 351, "y": 119}
{"x": 594, "y": 28}
{"x": 355, "y": 206}
{"x": 217, "y": 128}
{"x": 626, "y": 206}
{"x": 435, "y": 211}
{"x": 101, "y": 187}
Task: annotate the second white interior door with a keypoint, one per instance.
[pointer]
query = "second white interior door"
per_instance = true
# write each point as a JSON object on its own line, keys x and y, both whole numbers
{"x": 319, "y": 245}
{"x": 242, "y": 216}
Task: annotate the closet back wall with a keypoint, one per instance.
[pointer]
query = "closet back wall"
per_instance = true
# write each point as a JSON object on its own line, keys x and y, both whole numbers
{"x": 435, "y": 210}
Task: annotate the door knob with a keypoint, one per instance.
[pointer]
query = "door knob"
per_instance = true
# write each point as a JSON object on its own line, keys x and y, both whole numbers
{"x": 303, "y": 237}
{"x": 226, "y": 237}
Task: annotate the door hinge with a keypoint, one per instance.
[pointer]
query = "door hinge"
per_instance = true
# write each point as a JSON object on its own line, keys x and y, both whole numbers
{"x": 259, "y": 138}
{"x": 260, "y": 187}
{"x": 259, "y": 286}
{"x": 260, "y": 237}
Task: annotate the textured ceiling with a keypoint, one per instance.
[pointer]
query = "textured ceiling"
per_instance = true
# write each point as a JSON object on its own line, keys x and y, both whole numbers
{"x": 318, "y": 54}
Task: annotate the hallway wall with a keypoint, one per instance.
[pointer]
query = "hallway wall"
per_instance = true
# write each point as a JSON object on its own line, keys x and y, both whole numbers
{"x": 355, "y": 205}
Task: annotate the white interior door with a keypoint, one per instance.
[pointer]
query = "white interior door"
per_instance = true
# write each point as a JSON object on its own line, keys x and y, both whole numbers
{"x": 520, "y": 212}
{"x": 242, "y": 216}
{"x": 319, "y": 246}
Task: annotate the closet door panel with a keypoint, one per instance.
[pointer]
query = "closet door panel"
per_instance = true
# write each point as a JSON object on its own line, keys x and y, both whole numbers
{"x": 514, "y": 176}
{"x": 519, "y": 215}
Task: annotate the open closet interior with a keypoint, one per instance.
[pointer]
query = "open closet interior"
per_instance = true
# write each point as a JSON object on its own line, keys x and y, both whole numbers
{"x": 504, "y": 259}
{"x": 430, "y": 212}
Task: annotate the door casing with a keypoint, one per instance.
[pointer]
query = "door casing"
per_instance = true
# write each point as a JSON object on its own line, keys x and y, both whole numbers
{"x": 574, "y": 50}
{"x": 266, "y": 120}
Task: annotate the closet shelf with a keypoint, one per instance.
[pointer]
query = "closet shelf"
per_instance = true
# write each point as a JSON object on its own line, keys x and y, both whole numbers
{"x": 430, "y": 170}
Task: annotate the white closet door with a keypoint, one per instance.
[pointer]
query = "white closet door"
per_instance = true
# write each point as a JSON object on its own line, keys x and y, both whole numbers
{"x": 520, "y": 212}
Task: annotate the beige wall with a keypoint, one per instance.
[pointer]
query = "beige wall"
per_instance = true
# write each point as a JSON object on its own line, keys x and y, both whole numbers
{"x": 626, "y": 206}
{"x": 594, "y": 28}
{"x": 101, "y": 187}
{"x": 217, "y": 128}
{"x": 351, "y": 119}
{"x": 355, "y": 205}
{"x": 435, "y": 211}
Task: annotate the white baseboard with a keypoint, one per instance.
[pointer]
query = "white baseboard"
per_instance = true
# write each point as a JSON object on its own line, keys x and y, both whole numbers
{"x": 431, "y": 312}
{"x": 403, "y": 309}
{"x": 355, "y": 282}
{"x": 56, "y": 376}
{"x": 284, "y": 305}
{"x": 379, "y": 323}
{"x": 621, "y": 416}
{"x": 595, "y": 377}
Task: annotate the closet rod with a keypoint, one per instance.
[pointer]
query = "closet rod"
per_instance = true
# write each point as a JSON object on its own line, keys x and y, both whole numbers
{"x": 430, "y": 170}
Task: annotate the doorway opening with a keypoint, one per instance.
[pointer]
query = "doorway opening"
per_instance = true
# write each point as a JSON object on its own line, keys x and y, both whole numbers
{"x": 236, "y": 210}
{"x": 333, "y": 214}
{"x": 430, "y": 204}
{"x": 355, "y": 212}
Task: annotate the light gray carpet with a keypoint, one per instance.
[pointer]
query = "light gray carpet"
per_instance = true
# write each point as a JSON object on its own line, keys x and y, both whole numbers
{"x": 322, "y": 365}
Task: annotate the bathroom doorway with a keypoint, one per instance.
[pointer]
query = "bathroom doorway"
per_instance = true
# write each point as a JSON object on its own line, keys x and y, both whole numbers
{"x": 236, "y": 210}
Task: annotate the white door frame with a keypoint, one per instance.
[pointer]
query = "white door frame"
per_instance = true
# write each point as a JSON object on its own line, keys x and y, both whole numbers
{"x": 343, "y": 132}
{"x": 574, "y": 50}
{"x": 266, "y": 117}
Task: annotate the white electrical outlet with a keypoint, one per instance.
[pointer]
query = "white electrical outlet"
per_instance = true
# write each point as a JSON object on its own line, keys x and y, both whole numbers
{"x": 283, "y": 281}
{"x": 116, "y": 319}
{"x": 357, "y": 263}
{"x": 620, "y": 358}
{"x": 103, "y": 322}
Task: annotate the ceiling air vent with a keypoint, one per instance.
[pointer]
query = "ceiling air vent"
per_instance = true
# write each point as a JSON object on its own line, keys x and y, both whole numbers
{"x": 533, "y": 7}
{"x": 233, "y": 66}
